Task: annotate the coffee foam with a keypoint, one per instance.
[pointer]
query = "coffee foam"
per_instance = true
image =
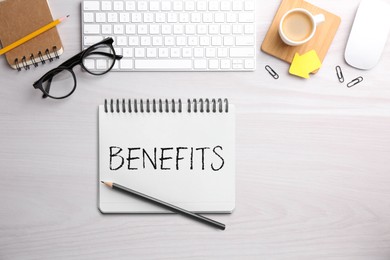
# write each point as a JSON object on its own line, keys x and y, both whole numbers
{"x": 297, "y": 26}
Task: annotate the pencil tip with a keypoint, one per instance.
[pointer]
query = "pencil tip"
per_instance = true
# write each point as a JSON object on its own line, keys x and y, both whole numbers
{"x": 102, "y": 181}
{"x": 68, "y": 15}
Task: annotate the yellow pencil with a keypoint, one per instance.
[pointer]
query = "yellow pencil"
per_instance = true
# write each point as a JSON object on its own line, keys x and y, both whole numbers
{"x": 32, "y": 35}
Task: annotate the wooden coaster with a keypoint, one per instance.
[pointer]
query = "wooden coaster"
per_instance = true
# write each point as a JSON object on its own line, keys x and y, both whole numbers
{"x": 321, "y": 41}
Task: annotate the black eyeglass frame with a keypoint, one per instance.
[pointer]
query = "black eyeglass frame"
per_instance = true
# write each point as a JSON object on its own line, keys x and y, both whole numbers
{"x": 71, "y": 63}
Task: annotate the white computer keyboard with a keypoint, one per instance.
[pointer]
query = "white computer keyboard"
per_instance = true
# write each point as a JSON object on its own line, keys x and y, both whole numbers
{"x": 177, "y": 35}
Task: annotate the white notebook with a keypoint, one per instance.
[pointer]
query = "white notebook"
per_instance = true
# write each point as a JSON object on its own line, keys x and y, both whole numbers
{"x": 179, "y": 151}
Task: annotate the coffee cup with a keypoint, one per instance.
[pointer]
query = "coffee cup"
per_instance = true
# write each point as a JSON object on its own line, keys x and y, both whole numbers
{"x": 298, "y": 26}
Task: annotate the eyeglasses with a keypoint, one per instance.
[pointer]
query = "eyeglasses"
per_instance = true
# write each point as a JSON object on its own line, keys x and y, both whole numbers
{"x": 60, "y": 82}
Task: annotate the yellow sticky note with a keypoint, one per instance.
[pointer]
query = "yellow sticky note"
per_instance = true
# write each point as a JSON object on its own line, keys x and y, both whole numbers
{"x": 303, "y": 65}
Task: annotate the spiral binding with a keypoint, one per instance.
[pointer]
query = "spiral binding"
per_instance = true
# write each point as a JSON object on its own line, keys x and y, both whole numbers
{"x": 166, "y": 106}
{"x": 22, "y": 63}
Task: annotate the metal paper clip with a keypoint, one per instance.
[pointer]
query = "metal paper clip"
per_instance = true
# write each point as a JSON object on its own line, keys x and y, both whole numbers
{"x": 340, "y": 75}
{"x": 355, "y": 82}
{"x": 271, "y": 72}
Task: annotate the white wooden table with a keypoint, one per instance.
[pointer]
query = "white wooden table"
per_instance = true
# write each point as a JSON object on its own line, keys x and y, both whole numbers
{"x": 313, "y": 172}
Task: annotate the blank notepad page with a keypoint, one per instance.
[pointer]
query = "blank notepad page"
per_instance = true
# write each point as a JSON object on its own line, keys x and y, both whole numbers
{"x": 180, "y": 152}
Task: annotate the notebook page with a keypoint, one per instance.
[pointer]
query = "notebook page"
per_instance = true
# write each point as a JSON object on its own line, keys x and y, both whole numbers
{"x": 191, "y": 161}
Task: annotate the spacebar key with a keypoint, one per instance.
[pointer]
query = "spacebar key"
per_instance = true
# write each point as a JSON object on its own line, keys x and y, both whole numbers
{"x": 163, "y": 64}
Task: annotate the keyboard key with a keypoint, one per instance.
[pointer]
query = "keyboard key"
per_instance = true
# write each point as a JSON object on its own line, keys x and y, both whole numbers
{"x": 213, "y": 5}
{"x": 126, "y": 64}
{"x": 196, "y": 18}
{"x": 237, "y": 64}
{"x": 190, "y": 29}
{"x": 201, "y": 5}
{"x": 216, "y": 40}
{"x": 154, "y": 29}
{"x": 237, "y": 5}
{"x": 163, "y": 52}
{"x": 169, "y": 41}
{"x": 121, "y": 40}
{"x": 119, "y": 29}
{"x": 100, "y": 17}
{"x": 118, "y": 6}
{"x": 175, "y": 52}
{"x": 177, "y": 5}
{"x": 184, "y": 17}
{"x": 189, "y": 6}
{"x": 187, "y": 52}
{"x": 142, "y": 29}
{"x": 106, "y": 5}
{"x": 91, "y": 6}
{"x": 166, "y": 64}
{"x": 249, "y": 5}
{"x": 112, "y": 17}
{"x": 200, "y": 64}
{"x": 225, "y": 6}
{"x": 242, "y": 52}
{"x": 160, "y": 17}
{"x": 225, "y": 64}
{"x": 91, "y": 29}
{"x": 181, "y": 41}
{"x": 154, "y": 6}
{"x": 231, "y": 17}
{"x": 172, "y": 18}
{"x": 157, "y": 41}
{"x": 89, "y": 63}
{"x": 133, "y": 41}
{"x": 136, "y": 17}
{"x": 222, "y": 52}
{"x": 226, "y": 29}
{"x": 245, "y": 40}
{"x": 106, "y": 29}
{"x": 246, "y": 17}
{"x": 88, "y": 18}
{"x": 151, "y": 52}
{"x": 101, "y": 64}
{"x": 178, "y": 29}
{"x": 219, "y": 17}
{"x": 192, "y": 41}
{"x": 124, "y": 17}
{"x": 146, "y": 41}
{"x": 249, "y": 64}
{"x": 127, "y": 52}
{"x": 249, "y": 29}
{"x": 198, "y": 52}
{"x": 90, "y": 40}
{"x": 130, "y": 5}
{"x": 228, "y": 40}
{"x": 166, "y": 6}
{"x": 139, "y": 52}
{"x": 118, "y": 50}
{"x": 213, "y": 64}
{"x": 211, "y": 52}
{"x": 142, "y": 5}
{"x": 214, "y": 29}
{"x": 166, "y": 29}
{"x": 208, "y": 17}
{"x": 204, "y": 41}
{"x": 130, "y": 29}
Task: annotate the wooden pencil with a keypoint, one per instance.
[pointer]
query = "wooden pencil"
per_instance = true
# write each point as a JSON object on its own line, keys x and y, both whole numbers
{"x": 165, "y": 205}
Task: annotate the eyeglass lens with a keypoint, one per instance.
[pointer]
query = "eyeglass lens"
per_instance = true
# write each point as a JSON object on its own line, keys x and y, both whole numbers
{"x": 60, "y": 83}
{"x": 99, "y": 59}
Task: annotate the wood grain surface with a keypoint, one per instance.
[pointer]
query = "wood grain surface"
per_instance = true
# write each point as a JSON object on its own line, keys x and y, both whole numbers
{"x": 313, "y": 172}
{"x": 321, "y": 41}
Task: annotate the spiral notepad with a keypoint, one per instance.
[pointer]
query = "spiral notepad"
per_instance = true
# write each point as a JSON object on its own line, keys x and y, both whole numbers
{"x": 19, "y": 18}
{"x": 179, "y": 151}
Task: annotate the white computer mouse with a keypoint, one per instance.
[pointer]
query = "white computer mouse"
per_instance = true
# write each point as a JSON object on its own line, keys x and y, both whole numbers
{"x": 369, "y": 34}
